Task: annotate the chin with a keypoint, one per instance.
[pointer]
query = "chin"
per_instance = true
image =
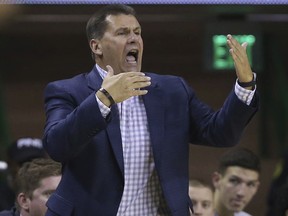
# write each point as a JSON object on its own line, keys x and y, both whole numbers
{"x": 237, "y": 209}
{"x": 132, "y": 69}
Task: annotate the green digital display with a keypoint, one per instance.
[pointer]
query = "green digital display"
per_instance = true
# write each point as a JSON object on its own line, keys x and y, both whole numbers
{"x": 221, "y": 57}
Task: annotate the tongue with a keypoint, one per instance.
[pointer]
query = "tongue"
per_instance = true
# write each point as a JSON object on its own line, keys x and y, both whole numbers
{"x": 130, "y": 58}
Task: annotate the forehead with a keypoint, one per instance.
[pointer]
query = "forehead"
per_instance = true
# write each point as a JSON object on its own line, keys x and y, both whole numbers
{"x": 242, "y": 173}
{"x": 202, "y": 193}
{"x": 47, "y": 184}
{"x": 50, "y": 182}
{"x": 122, "y": 21}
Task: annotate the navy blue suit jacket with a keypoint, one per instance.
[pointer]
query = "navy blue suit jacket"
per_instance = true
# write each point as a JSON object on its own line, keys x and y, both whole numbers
{"x": 90, "y": 148}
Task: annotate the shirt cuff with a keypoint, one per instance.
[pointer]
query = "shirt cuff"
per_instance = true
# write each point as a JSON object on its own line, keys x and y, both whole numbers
{"x": 243, "y": 94}
{"x": 103, "y": 108}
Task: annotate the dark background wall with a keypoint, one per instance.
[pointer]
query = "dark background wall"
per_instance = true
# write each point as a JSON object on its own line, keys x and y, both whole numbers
{"x": 43, "y": 43}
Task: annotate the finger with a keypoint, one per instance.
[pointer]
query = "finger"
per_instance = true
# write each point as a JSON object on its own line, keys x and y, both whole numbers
{"x": 232, "y": 46}
{"x": 233, "y": 43}
{"x": 110, "y": 71}
{"x": 236, "y": 58}
{"x": 232, "y": 53}
{"x": 139, "y": 85}
{"x": 138, "y": 92}
{"x": 139, "y": 78}
{"x": 244, "y": 45}
{"x": 133, "y": 74}
{"x": 229, "y": 40}
{"x": 236, "y": 50}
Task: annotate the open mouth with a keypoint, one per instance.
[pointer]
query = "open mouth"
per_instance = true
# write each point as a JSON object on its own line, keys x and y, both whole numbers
{"x": 132, "y": 56}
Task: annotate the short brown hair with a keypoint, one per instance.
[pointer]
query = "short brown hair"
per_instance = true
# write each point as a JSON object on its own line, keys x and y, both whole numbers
{"x": 31, "y": 173}
{"x": 200, "y": 183}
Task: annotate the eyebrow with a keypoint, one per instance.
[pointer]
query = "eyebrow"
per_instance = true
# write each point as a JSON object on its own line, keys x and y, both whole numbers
{"x": 127, "y": 28}
{"x": 235, "y": 176}
{"x": 48, "y": 191}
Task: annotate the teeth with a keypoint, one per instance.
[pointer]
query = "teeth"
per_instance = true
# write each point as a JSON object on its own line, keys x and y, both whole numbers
{"x": 133, "y": 51}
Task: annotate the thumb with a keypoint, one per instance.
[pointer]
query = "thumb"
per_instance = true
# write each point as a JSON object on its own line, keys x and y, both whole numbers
{"x": 110, "y": 70}
{"x": 244, "y": 45}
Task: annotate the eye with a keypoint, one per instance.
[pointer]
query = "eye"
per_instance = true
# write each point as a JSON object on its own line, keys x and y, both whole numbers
{"x": 120, "y": 33}
{"x": 206, "y": 205}
{"x": 251, "y": 184}
{"x": 48, "y": 193}
{"x": 137, "y": 32}
{"x": 234, "y": 181}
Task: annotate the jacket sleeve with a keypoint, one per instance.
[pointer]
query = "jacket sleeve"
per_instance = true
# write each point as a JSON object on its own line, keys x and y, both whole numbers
{"x": 221, "y": 128}
{"x": 70, "y": 123}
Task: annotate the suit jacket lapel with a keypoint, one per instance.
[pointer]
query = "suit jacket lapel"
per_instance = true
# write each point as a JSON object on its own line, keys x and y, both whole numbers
{"x": 114, "y": 134}
{"x": 154, "y": 105}
{"x": 113, "y": 127}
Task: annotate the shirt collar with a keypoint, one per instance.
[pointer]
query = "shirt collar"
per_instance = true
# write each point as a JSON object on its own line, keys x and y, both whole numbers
{"x": 102, "y": 72}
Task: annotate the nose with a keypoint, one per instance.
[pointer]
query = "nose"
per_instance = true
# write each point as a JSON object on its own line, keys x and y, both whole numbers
{"x": 132, "y": 37}
{"x": 197, "y": 210}
{"x": 242, "y": 190}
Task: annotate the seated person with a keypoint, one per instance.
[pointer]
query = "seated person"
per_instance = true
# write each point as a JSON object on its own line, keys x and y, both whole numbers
{"x": 236, "y": 182}
{"x": 18, "y": 152}
{"x": 201, "y": 195}
{"x": 35, "y": 182}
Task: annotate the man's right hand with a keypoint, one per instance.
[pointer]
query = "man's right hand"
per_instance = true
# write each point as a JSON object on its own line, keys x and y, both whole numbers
{"x": 123, "y": 86}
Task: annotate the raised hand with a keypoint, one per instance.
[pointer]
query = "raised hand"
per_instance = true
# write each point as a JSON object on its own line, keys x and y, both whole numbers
{"x": 240, "y": 58}
{"x": 124, "y": 85}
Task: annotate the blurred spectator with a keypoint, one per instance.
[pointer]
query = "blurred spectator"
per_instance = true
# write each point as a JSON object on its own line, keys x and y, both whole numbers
{"x": 280, "y": 178}
{"x": 280, "y": 207}
{"x": 201, "y": 195}
{"x": 18, "y": 152}
{"x": 236, "y": 182}
{"x": 35, "y": 182}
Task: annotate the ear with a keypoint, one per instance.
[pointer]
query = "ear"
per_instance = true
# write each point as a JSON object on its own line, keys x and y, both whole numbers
{"x": 216, "y": 177}
{"x": 23, "y": 201}
{"x": 96, "y": 47}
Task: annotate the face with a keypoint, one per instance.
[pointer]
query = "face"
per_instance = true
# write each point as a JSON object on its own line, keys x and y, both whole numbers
{"x": 202, "y": 199}
{"x": 236, "y": 188}
{"x": 41, "y": 194}
{"x": 121, "y": 46}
